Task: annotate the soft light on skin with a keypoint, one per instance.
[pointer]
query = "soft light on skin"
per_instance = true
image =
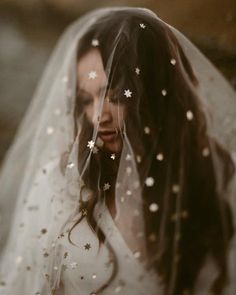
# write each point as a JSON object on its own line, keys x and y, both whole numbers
{"x": 111, "y": 117}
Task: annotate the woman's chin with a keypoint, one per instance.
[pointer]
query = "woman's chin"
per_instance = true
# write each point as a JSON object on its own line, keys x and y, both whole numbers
{"x": 114, "y": 147}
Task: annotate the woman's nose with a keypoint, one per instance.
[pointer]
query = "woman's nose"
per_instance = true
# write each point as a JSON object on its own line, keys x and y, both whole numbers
{"x": 105, "y": 116}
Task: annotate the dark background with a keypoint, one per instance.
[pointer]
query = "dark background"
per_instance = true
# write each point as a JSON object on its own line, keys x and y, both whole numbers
{"x": 29, "y": 30}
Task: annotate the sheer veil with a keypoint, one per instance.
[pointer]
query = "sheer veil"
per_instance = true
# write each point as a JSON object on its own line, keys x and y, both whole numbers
{"x": 44, "y": 176}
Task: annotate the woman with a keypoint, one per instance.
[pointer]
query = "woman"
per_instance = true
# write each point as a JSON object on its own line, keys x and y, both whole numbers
{"x": 129, "y": 161}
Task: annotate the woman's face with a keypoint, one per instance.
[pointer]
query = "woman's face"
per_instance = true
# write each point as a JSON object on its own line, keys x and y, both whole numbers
{"x": 92, "y": 82}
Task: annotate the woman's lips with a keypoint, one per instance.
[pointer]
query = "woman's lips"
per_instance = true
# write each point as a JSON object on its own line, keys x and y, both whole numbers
{"x": 108, "y": 136}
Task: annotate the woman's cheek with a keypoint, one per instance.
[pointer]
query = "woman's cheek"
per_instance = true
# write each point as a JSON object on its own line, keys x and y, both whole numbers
{"x": 89, "y": 113}
{"x": 120, "y": 116}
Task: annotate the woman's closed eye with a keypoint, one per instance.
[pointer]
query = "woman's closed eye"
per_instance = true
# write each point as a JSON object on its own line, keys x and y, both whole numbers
{"x": 112, "y": 96}
{"x": 84, "y": 98}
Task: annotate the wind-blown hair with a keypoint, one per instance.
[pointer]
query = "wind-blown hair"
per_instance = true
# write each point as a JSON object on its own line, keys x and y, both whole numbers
{"x": 190, "y": 203}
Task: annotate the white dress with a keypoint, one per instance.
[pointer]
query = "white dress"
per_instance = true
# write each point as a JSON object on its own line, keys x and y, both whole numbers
{"x": 88, "y": 269}
{"x": 85, "y": 267}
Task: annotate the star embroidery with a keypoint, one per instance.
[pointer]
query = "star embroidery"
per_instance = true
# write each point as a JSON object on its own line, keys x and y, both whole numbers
{"x": 70, "y": 165}
{"x": 106, "y": 186}
{"x": 65, "y": 254}
{"x": 122, "y": 199}
{"x": 189, "y": 115}
{"x": 127, "y": 93}
{"x": 153, "y": 207}
{"x": 43, "y": 231}
{"x": 142, "y": 26}
{"x": 84, "y": 212}
{"x": 149, "y": 181}
{"x": 87, "y": 246}
{"x": 164, "y": 92}
{"x": 147, "y": 130}
{"x": 118, "y": 289}
{"x": 206, "y": 152}
{"x": 113, "y": 156}
{"x": 95, "y": 42}
{"x": 137, "y": 71}
{"x": 128, "y": 157}
{"x": 173, "y": 61}
{"x": 160, "y": 157}
{"x": 50, "y": 130}
{"x": 128, "y": 170}
{"x": 92, "y": 75}
{"x": 137, "y": 254}
{"x": 91, "y": 144}
{"x": 128, "y": 192}
{"x": 175, "y": 188}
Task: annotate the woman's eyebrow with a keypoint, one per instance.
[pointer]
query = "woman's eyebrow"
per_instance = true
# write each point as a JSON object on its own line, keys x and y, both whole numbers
{"x": 83, "y": 91}
{"x": 100, "y": 90}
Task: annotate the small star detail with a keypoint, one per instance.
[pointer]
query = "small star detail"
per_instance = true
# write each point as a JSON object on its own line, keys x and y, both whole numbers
{"x": 65, "y": 254}
{"x": 206, "y": 152}
{"x": 87, "y": 246}
{"x": 149, "y": 181}
{"x": 164, "y": 92}
{"x": 91, "y": 144}
{"x": 128, "y": 170}
{"x": 128, "y": 157}
{"x": 128, "y": 93}
{"x": 173, "y": 61}
{"x": 50, "y": 130}
{"x": 84, "y": 212}
{"x": 147, "y": 130}
{"x": 160, "y": 157}
{"x": 43, "y": 231}
{"x": 137, "y": 71}
{"x": 153, "y": 207}
{"x": 70, "y": 165}
{"x": 189, "y": 115}
{"x": 113, "y": 156}
{"x": 106, "y": 186}
{"x": 92, "y": 75}
{"x": 95, "y": 42}
{"x": 142, "y": 26}
{"x": 175, "y": 188}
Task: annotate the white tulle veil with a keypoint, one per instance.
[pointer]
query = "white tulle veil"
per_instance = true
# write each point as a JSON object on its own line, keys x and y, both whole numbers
{"x": 42, "y": 181}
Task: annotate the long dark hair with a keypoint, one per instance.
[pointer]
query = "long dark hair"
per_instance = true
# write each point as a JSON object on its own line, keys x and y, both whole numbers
{"x": 197, "y": 220}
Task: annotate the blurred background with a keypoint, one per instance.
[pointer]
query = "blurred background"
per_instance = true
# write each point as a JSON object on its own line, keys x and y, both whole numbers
{"x": 29, "y": 30}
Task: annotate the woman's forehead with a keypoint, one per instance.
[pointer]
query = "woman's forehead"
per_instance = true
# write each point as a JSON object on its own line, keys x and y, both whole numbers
{"x": 90, "y": 71}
